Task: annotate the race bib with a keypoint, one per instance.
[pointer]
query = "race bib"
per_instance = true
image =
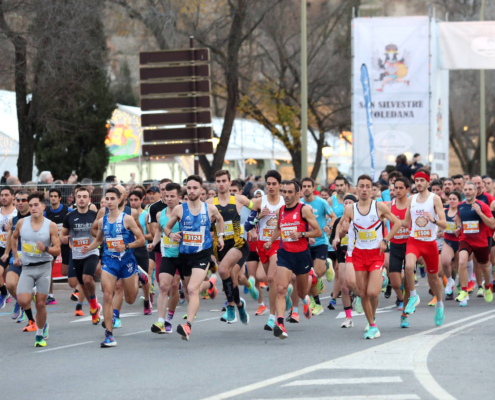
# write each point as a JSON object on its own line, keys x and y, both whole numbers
{"x": 367, "y": 235}
{"x": 402, "y": 234}
{"x": 451, "y": 227}
{"x": 286, "y": 234}
{"x": 344, "y": 241}
{"x": 228, "y": 228}
{"x": 167, "y": 243}
{"x": 78, "y": 243}
{"x": 59, "y": 227}
{"x": 112, "y": 242}
{"x": 192, "y": 239}
{"x": 471, "y": 227}
{"x": 267, "y": 234}
{"x": 31, "y": 250}
{"x": 422, "y": 234}
{"x": 3, "y": 238}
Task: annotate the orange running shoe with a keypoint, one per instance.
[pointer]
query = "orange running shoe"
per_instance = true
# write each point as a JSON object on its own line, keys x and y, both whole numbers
{"x": 213, "y": 291}
{"x": 280, "y": 332}
{"x": 470, "y": 287}
{"x": 79, "y": 313}
{"x": 95, "y": 315}
{"x": 30, "y": 327}
{"x": 263, "y": 284}
{"x": 261, "y": 310}
{"x": 184, "y": 331}
{"x": 307, "y": 311}
{"x": 294, "y": 318}
{"x": 444, "y": 281}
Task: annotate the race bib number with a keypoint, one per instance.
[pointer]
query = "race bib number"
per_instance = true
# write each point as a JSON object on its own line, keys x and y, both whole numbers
{"x": 367, "y": 235}
{"x": 402, "y": 234}
{"x": 471, "y": 227}
{"x": 31, "y": 249}
{"x": 3, "y": 238}
{"x": 78, "y": 243}
{"x": 192, "y": 239}
{"x": 228, "y": 228}
{"x": 59, "y": 227}
{"x": 451, "y": 227}
{"x": 344, "y": 241}
{"x": 167, "y": 243}
{"x": 267, "y": 234}
{"x": 422, "y": 234}
{"x": 286, "y": 234}
{"x": 113, "y": 242}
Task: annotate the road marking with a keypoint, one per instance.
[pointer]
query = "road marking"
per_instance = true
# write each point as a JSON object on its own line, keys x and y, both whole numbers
{"x": 379, "y": 397}
{"x": 384, "y": 354}
{"x": 126, "y": 315}
{"x": 378, "y": 311}
{"x": 63, "y": 347}
{"x": 346, "y": 381}
{"x": 135, "y": 333}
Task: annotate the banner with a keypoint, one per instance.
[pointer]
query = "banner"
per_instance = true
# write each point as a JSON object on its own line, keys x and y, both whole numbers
{"x": 365, "y": 81}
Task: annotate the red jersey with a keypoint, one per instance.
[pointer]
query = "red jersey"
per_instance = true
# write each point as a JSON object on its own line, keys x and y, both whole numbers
{"x": 291, "y": 220}
{"x": 474, "y": 231}
{"x": 403, "y": 234}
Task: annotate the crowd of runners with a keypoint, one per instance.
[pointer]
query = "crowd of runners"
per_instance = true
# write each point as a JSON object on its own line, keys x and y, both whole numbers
{"x": 276, "y": 244}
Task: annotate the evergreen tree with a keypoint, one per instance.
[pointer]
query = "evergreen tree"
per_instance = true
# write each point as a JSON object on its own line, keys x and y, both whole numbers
{"x": 123, "y": 87}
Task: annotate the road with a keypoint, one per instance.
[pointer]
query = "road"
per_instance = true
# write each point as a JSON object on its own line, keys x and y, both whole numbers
{"x": 319, "y": 360}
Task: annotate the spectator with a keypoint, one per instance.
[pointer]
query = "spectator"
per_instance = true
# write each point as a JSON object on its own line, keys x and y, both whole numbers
{"x": 31, "y": 186}
{"x": 403, "y": 167}
{"x": 386, "y": 195}
{"x": 133, "y": 179}
{"x": 416, "y": 164}
{"x": 13, "y": 181}
{"x": 5, "y": 176}
{"x": 46, "y": 178}
{"x": 383, "y": 181}
{"x": 377, "y": 193}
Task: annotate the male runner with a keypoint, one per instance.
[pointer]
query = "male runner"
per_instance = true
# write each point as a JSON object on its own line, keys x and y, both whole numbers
{"x": 120, "y": 234}
{"x": 293, "y": 256}
{"x": 488, "y": 185}
{"x": 458, "y": 183}
{"x": 40, "y": 243}
{"x": 7, "y": 211}
{"x": 448, "y": 187}
{"x": 368, "y": 255}
{"x": 473, "y": 220}
{"x": 424, "y": 215}
{"x": 195, "y": 244}
{"x": 77, "y": 228}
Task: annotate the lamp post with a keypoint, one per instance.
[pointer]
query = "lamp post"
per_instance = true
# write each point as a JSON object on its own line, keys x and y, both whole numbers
{"x": 326, "y": 151}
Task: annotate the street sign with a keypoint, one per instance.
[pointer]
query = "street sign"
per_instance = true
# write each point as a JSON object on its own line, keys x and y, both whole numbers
{"x": 174, "y": 88}
{"x": 170, "y": 103}
{"x": 202, "y": 117}
{"x": 177, "y": 149}
{"x": 185, "y": 134}
{"x": 168, "y": 73}
{"x": 173, "y": 56}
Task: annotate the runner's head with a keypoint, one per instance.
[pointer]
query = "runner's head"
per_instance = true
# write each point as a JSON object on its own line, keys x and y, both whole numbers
{"x": 235, "y": 187}
{"x": 436, "y": 187}
{"x": 123, "y": 192}
{"x": 401, "y": 187}
{"x": 324, "y": 194}
{"x": 212, "y": 193}
{"x": 349, "y": 199}
{"x": 112, "y": 198}
{"x": 258, "y": 193}
{"x": 364, "y": 187}
{"x": 377, "y": 193}
{"x": 480, "y": 185}
{"x": 448, "y": 186}
{"x": 172, "y": 196}
{"x": 470, "y": 191}
{"x": 193, "y": 185}
{"x": 341, "y": 185}
{"x": 308, "y": 187}
{"x": 299, "y": 183}
{"x": 455, "y": 198}
{"x": 21, "y": 201}
{"x": 273, "y": 179}
{"x": 466, "y": 177}
{"x": 82, "y": 198}
{"x": 136, "y": 198}
{"x": 7, "y": 196}
{"x": 36, "y": 201}
{"x": 422, "y": 179}
{"x": 458, "y": 182}
{"x": 222, "y": 181}
{"x": 290, "y": 191}
{"x": 55, "y": 197}
{"x": 204, "y": 193}
{"x": 163, "y": 184}
{"x": 488, "y": 183}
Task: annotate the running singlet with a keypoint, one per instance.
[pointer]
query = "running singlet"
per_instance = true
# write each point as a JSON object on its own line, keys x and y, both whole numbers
{"x": 14, "y": 224}
{"x": 403, "y": 234}
{"x": 338, "y": 208}
{"x": 421, "y": 227}
{"x": 168, "y": 248}
{"x": 321, "y": 209}
{"x": 4, "y": 222}
{"x": 142, "y": 222}
{"x": 127, "y": 210}
{"x": 449, "y": 233}
{"x": 473, "y": 230}
{"x": 232, "y": 223}
{"x": 195, "y": 230}
{"x": 79, "y": 226}
{"x": 291, "y": 220}
{"x": 57, "y": 216}
{"x": 116, "y": 233}
{"x": 368, "y": 228}
{"x": 268, "y": 223}
{"x": 30, "y": 253}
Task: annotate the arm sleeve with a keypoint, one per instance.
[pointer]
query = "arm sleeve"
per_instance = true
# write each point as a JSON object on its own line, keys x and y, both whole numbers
{"x": 70, "y": 209}
{"x": 334, "y": 230}
{"x": 251, "y": 221}
{"x": 152, "y": 214}
{"x": 247, "y": 189}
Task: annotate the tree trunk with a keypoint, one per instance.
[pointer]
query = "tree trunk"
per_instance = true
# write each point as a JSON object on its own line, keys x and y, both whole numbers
{"x": 319, "y": 147}
{"x": 296, "y": 163}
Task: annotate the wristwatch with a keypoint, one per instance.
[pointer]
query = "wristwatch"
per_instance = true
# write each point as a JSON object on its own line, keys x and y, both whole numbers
{"x": 221, "y": 234}
{"x": 303, "y": 234}
{"x": 434, "y": 221}
{"x": 385, "y": 240}
{"x": 127, "y": 246}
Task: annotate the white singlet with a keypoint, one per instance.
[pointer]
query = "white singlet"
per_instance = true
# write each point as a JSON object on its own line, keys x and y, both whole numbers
{"x": 421, "y": 227}
{"x": 367, "y": 228}
{"x": 268, "y": 223}
{"x": 4, "y": 222}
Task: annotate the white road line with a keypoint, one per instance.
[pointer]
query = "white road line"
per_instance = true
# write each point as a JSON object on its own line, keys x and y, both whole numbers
{"x": 135, "y": 333}
{"x": 380, "y": 397}
{"x": 63, "y": 347}
{"x": 346, "y": 381}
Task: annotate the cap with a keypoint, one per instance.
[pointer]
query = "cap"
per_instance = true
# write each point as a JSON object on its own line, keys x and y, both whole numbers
{"x": 258, "y": 191}
{"x": 153, "y": 189}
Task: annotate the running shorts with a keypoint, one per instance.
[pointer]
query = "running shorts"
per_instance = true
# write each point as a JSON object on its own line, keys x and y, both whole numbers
{"x": 332, "y": 255}
{"x": 66, "y": 253}
{"x": 299, "y": 263}
{"x": 253, "y": 256}
{"x": 341, "y": 254}
{"x": 348, "y": 259}
{"x": 15, "y": 269}
{"x": 85, "y": 266}
{"x": 6, "y": 263}
{"x": 199, "y": 260}
{"x": 171, "y": 266}
{"x": 220, "y": 254}
{"x": 397, "y": 256}
{"x": 453, "y": 244}
{"x": 427, "y": 250}
{"x": 367, "y": 260}
{"x": 142, "y": 258}
{"x": 121, "y": 269}
{"x": 71, "y": 271}
{"x": 264, "y": 254}
{"x": 151, "y": 255}
{"x": 482, "y": 253}
{"x": 39, "y": 275}
{"x": 319, "y": 252}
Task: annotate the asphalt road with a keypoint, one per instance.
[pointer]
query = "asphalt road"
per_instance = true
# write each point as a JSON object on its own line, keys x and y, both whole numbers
{"x": 319, "y": 360}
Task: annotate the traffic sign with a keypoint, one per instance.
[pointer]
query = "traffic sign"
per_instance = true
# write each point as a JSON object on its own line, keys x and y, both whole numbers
{"x": 170, "y": 103}
{"x": 173, "y": 56}
{"x": 185, "y": 134}
{"x": 202, "y": 117}
{"x": 177, "y": 149}
{"x": 175, "y": 88}
{"x": 168, "y": 73}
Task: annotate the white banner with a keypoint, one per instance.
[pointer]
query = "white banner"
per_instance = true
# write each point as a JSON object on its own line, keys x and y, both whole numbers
{"x": 467, "y": 45}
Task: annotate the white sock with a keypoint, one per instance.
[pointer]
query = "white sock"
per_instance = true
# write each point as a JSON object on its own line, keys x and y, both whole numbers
{"x": 413, "y": 293}
{"x": 39, "y": 332}
{"x": 439, "y": 304}
{"x": 470, "y": 268}
{"x": 261, "y": 304}
{"x": 272, "y": 317}
{"x": 162, "y": 320}
{"x": 295, "y": 309}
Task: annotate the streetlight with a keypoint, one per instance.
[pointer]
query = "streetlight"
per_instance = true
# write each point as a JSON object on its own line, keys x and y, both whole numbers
{"x": 327, "y": 151}
{"x": 215, "y": 142}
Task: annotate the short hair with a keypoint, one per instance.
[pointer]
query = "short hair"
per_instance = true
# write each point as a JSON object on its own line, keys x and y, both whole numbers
{"x": 485, "y": 177}
{"x": 7, "y": 188}
{"x": 292, "y": 182}
{"x": 6, "y": 173}
{"x": 204, "y": 188}
{"x": 324, "y": 190}
{"x": 86, "y": 181}
{"x": 44, "y": 175}
{"x": 376, "y": 184}
{"x": 470, "y": 183}
{"x": 196, "y": 178}
{"x": 394, "y": 174}
{"x": 417, "y": 154}
{"x": 425, "y": 171}
{"x": 237, "y": 184}
{"x": 81, "y": 189}
{"x": 23, "y": 192}
{"x": 110, "y": 179}
{"x": 476, "y": 176}
{"x": 37, "y": 195}
{"x": 183, "y": 193}
{"x": 309, "y": 179}
{"x": 140, "y": 188}
{"x": 364, "y": 177}
{"x": 341, "y": 178}
{"x": 55, "y": 190}
{"x": 173, "y": 186}
{"x": 448, "y": 180}
{"x": 436, "y": 182}
{"x": 404, "y": 180}
{"x": 458, "y": 176}
{"x": 114, "y": 190}
{"x": 273, "y": 174}
{"x": 11, "y": 180}
{"x": 137, "y": 193}
{"x": 457, "y": 194}
{"x": 298, "y": 181}
{"x": 165, "y": 180}
{"x": 222, "y": 172}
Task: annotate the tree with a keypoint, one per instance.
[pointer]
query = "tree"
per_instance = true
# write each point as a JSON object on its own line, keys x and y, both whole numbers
{"x": 123, "y": 87}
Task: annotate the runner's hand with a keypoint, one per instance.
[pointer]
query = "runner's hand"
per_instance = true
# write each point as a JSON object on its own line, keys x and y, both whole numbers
{"x": 267, "y": 245}
{"x": 175, "y": 237}
{"x": 294, "y": 235}
{"x": 40, "y": 246}
{"x": 252, "y": 235}
{"x": 65, "y": 239}
{"x": 476, "y": 207}
{"x": 312, "y": 241}
{"x": 458, "y": 231}
{"x": 119, "y": 247}
{"x": 264, "y": 212}
{"x": 427, "y": 215}
{"x": 382, "y": 246}
{"x": 345, "y": 225}
{"x": 4, "y": 258}
{"x": 335, "y": 243}
{"x": 150, "y": 247}
{"x": 17, "y": 262}
{"x": 220, "y": 243}
{"x": 326, "y": 229}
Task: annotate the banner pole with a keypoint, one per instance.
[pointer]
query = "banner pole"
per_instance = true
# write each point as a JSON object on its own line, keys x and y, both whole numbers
{"x": 482, "y": 109}
{"x": 304, "y": 95}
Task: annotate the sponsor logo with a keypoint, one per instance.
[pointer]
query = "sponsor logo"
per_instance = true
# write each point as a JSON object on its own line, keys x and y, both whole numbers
{"x": 421, "y": 222}
{"x": 76, "y": 219}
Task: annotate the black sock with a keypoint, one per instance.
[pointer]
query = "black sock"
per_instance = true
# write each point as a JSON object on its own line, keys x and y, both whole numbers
{"x": 78, "y": 306}
{"x": 347, "y": 308}
{"x": 3, "y": 290}
{"x": 280, "y": 321}
{"x": 146, "y": 304}
{"x": 189, "y": 324}
{"x": 236, "y": 295}
{"x": 108, "y": 332}
{"x": 211, "y": 286}
{"x": 317, "y": 299}
{"x": 227, "y": 288}
{"x": 29, "y": 314}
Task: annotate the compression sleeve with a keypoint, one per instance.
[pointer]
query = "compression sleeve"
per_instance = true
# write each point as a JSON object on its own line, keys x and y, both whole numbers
{"x": 251, "y": 221}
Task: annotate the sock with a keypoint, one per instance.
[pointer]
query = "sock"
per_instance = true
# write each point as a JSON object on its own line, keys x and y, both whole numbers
{"x": 295, "y": 310}
{"x": 108, "y": 332}
{"x": 146, "y": 304}
{"x": 261, "y": 304}
{"x": 404, "y": 315}
{"x": 79, "y": 305}
{"x": 29, "y": 314}
{"x": 348, "y": 312}
{"x": 470, "y": 268}
{"x": 236, "y": 295}
{"x": 228, "y": 286}
{"x": 3, "y": 290}
{"x": 272, "y": 317}
{"x": 189, "y": 324}
{"x": 92, "y": 302}
{"x": 464, "y": 288}
{"x": 280, "y": 321}
{"x": 373, "y": 325}
{"x": 317, "y": 299}
{"x": 211, "y": 286}
{"x": 305, "y": 300}
{"x": 170, "y": 315}
{"x": 413, "y": 293}
{"x": 161, "y": 320}
{"x": 39, "y": 332}
{"x": 116, "y": 313}
{"x": 153, "y": 277}
{"x": 439, "y": 304}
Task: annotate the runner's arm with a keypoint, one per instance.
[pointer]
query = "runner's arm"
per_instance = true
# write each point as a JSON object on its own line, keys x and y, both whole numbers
{"x": 385, "y": 212}
{"x": 54, "y": 249}
{"x": 94, "y": 227}
{"x": 149, "y": 237}
{"x": 406, "y": 222}
{"x": 442, "y": 221}
{"x": 64, "y": 234}
{"x": 156, "y": 238}
{"x": 176, "y": 216}
{"x": 8, "y": 244}
{"x": 486, "y": 215}
{"x": 137, "y": 230}
{"x": 98, "y": 237}
{"x": 309, "y": 216}
{"x": 15, "y": 238}
{"x": 213, "y": 211}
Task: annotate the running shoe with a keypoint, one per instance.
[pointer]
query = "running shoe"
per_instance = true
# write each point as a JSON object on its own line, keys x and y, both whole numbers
{"x": 359, "y": 305}
{"x": 78, "y": 313}
{"x": 317, "y": 310}
{"x": 280, "y": 332}
{"x": 109, "y": 341}
{"x": 422, "y": 271}
{"x": 448, "y": 289}
{"x": 412, "y": 304}
{"x": 182, "y": 296}
{"x": 463, "y": 296}
{"x": 213, "y": 291}
{"x": 143, "y": 276}
{"x": 22, "y": 318}
{"x": 404, "y": 322}
{"x": 253, "y": 291}
{"x": 372, "y": 333}
{"x": 367, "y": 328}
{"x": 243, "y": 315}
{"x": 307, "y": 311}
{"x": 50, "y": 300}
{"x": 439, "y": 317}
{"x": 158, "y": 327}
{"x": 397, "y": 301}
{"x": 269, "y": 325}
{"x": 246, "y": 290}
{"x": 445, "y": 281}
{"x": 30, "y": 327}
{"x": 229, "y": 316}
{"x": 347, "y": 323}
{"x": 385, "y": 280}
{"x": 332, "y": 304}
{"x": 312, "y": 303}
{"x": 294, "y": 318}
{"x": 16, "y": 312}
{"x": 8, "y": 299}
{"x": 288, "y": 301}
{"x": 152, "y": 296}
{"x": 320, "y": 286}
{"x": 224, "y": 308}
{"x": 148, "y": 310}
{"x": 480, "y": 293}
{"x": 433, "y": 302}
{"x": 416, "y": 280}
{"x": 204, "y": 294}
{"x": 117, "y": 323}
{"x": 449, "y": 296}
{"x": 388, "y": 291}
{"x": 45, "y": 330}
{"x": 261, "y": 310}
{"x": 168, "y": 327}
{"x": 470, "y": 287}
{"x": 330, "y": 274}
{"x": 95, "y": 314}
{"x": 488, "y": 294}
{"x": 75, "y": 295}
{"x": 39, "y": 342}
{"x": 3, "y": 300}
{"x": 184, "y": 331}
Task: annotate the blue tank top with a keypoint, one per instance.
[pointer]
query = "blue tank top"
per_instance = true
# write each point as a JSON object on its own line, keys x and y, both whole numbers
{"x": 142, "y": 222}
{"x": 195, "y": 230}
{"x": 127, "y": 210}
{"x": 337, "y": 208}
{"x": 167, "y": 247}
{"x": 116, "y": 232}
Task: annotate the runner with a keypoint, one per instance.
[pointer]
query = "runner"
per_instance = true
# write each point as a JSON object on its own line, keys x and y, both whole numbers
{"x": 294, "y": 256}
{"x": 368, "y": 255}
{"x": 450, "y": 250}
{"x": 120, "y": 235}
{"x": 488, "y": 185}
{"x": 195, "y": 244}
{"x": 424, "y": 215}
{"x": 7, "y": 212}
{"x": 77, "y": 228}
{"x": 40, "y": 243}
{"x": 474, "y": 219}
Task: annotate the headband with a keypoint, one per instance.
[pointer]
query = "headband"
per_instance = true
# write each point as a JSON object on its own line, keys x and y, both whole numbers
{"x": 350, "y": 197}
{"x": 421, "y": 174}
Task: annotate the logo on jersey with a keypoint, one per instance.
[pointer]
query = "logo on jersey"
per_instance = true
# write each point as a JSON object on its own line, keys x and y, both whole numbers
{"x": 271, "y": 222}
{"x": 294, "y": 216}
{"x": 203, "y": 219}
{"x": 130, "y": 267}
{"x": 421, "y": 222}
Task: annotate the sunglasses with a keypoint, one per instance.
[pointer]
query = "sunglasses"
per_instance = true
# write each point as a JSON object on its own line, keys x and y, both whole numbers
{"x": 21, "y": 200}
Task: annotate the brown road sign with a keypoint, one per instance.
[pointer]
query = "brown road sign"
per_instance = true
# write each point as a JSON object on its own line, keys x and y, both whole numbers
{"x": 202, "y": 117}
{"x": 171, "y": 56}
{"x": 146, "y": 74}
{"x": 170, "y": 103}
{"x": 177, "y": 149}
{"x": 173, "y": 88}
{"x": 164, "y": 135}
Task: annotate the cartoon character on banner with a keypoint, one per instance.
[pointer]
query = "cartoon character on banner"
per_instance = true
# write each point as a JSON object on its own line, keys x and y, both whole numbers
{"x": 392, "y": 69}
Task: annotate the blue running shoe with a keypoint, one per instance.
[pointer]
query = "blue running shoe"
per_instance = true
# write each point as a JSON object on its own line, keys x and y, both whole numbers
{"x": 385, "y": 279}
{"x": 411, "y": 305}
{"x": 117, "y": 323}
{"x": 270, "y": 325}
{"x": 253, "y": 291}
{"x": 422, "y": 271}
{"x": 439, "y": 317}
{"x": 16, "y": 312}
{"x": 243, "y": 315}
{"x": 246, "y": 290}
{"x": 3, "y": 300}
{"x": 22, "y": 318}
{"x": 143, "y": 276}
{"x": 288, "y": 301}
{"x": 404, "y": 322}
{"x": 332, "y": 304}
{"x": 45, "y": 331}
{"x": 229, "y": 315}
{"x": 109, "y": 340}
{"x": 372, "y": 333}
